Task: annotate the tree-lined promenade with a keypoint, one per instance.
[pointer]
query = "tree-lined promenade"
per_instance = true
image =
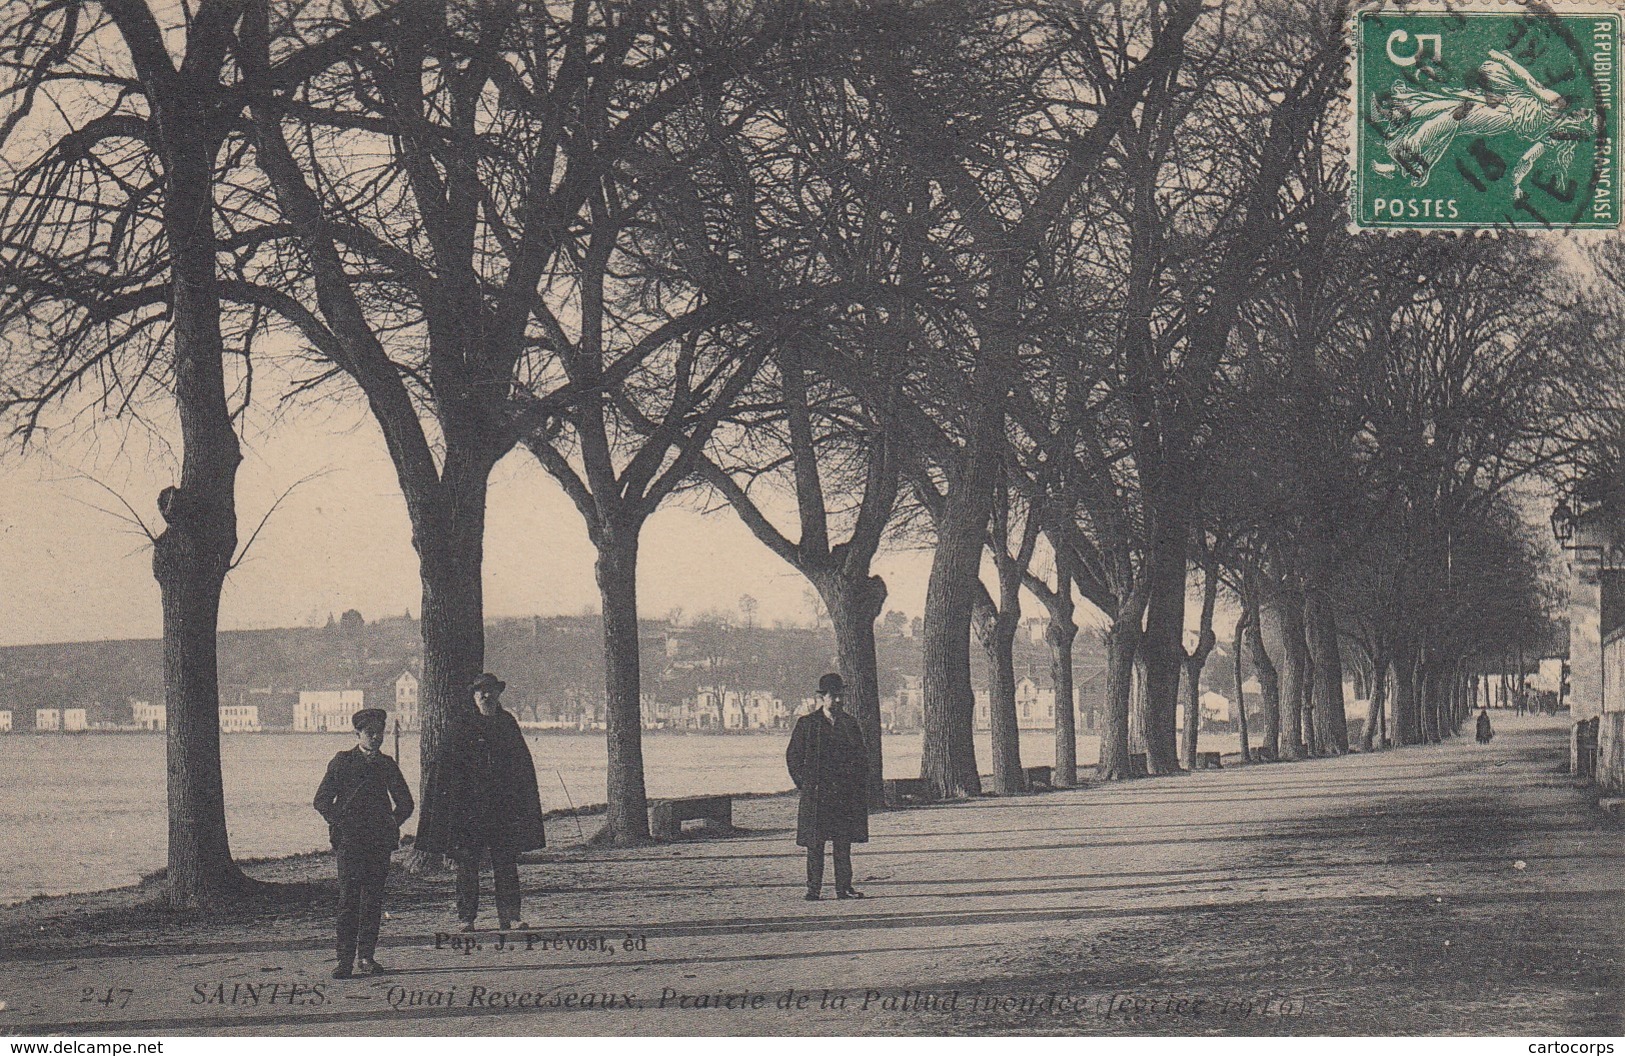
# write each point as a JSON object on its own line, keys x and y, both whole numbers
{"x": 1063, "y": 292}
{"x": 1449, "y": 889}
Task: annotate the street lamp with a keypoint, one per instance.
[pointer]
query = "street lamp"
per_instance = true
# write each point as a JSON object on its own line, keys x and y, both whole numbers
{"x": 1564, "y": 517}
{"x": 1565, "y": 526}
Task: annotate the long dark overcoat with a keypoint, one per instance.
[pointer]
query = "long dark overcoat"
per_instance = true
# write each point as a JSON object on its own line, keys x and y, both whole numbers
{"x": 829, "y": 765}
{"x": 364, "y": 799}
{"x": 484, "y": 789}
{"x": 1484, "y": 731}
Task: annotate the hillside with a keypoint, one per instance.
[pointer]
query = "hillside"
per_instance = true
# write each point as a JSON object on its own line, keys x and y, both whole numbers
{"x": 553, "y": 665}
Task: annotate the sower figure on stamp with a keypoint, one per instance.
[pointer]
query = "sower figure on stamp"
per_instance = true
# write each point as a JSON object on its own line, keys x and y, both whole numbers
{"x": 487, "y": 804}
{"x": 364, "y": 799}
{"x": 829, "y": 765}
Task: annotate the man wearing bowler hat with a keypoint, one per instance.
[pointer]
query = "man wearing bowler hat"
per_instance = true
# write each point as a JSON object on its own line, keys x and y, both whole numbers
{"x": 486, "y": 804}
{"x": 829, "y": 765}
{"x": 364, "y": 799}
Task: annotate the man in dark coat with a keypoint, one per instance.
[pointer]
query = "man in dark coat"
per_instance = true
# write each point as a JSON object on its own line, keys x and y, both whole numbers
{"x": 364, "y": 799}
{"x": 1484, "y": 731}
{"x": 487, "y": 803}
{"x": 829, "y": 765}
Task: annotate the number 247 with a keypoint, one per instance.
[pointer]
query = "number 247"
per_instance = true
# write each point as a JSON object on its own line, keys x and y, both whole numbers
{"x": 120, "y": 997}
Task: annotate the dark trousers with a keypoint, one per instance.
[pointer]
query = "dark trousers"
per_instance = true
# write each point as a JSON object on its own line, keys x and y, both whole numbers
{"x": 505, "y": 868}
{"x": 843, "y": 865}
{"x": 362, "y": 871}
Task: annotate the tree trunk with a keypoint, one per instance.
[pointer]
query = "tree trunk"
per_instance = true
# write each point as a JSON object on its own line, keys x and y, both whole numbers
{"x": 1136, "y": 710}
{"x": 1378, "y": 700}
{"x": 1306, "y": 710}
{"x": 1269, "y": 686}
{"x": 1427, "y": 694}
{"x": 948, "y": 752}
{"x": 1060, "y": 634}
{"x": 1331, "y": 722}
{"x": 853, "y": 606}
{"x": 1122, "y": 642}
{"x": 627, "y": 818}
{"x": 1407, "y": 718}
{"x": 1193, "y": 712}
{"x": 1163, "y": 646}
{"x": 1448, "y": 684}
{"x": 191, "y": 557}
{"x": 189, "y": 563}
{"x": 1241, "y": 696}
{"x": 448, "y": 533}
{"x": 1386, "y": 739}
{"x": 997, "y": 631}
{"x": 1283, "y": 616}
{"x": 1296, "y": 674}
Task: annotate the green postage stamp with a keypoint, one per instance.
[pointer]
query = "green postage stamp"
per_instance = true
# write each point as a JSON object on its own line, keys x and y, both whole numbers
{"x": 1484, "y": 117}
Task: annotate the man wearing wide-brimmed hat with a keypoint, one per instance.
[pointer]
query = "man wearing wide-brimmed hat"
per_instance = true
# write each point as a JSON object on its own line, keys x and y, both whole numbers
{"x": 486, "y": 803}
{"x": 829, "y": 765}
{"x": 364, "y": 799}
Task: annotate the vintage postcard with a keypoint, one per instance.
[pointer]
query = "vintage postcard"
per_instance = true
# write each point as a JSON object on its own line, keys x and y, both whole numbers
{"x": 525, "y": 519}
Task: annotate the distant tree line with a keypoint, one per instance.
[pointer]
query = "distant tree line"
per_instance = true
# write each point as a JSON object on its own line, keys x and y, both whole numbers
{"x": 1063, "y": 291}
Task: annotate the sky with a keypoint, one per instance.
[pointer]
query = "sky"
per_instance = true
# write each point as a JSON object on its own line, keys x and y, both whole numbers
{"x": 72, "y": 570}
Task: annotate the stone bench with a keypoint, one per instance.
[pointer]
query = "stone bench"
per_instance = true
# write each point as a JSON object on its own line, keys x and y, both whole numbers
{"x": 666, "y": 816}
{"x": 1208, "y": 761}
{"x": 1041, "y": 777}
{"x": 907, "y": 790}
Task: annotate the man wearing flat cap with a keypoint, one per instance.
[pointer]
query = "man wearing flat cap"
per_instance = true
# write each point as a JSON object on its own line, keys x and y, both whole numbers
{"x": 486, "y": 802}
{"x": 829, "y": 765}
{"x": 364, "y": 799}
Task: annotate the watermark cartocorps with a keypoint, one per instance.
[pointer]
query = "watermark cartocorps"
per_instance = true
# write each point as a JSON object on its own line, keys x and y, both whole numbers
{"x": 1478, "y": 118}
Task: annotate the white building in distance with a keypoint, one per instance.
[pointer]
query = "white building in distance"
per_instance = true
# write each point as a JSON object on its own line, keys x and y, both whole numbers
{"x": 240, "y": 718}
{"x": 149, "y": 716}
{"x": 1215, "y": 706}
{"x": 74, "y": 720}
{"x": 1035, "y": 707}
{"x": 47, "y": 720}
{"x": 5, "y": 721}
{"x": 406, "y": 701}
{"x": 326, "y": 710}
{"x": 763, "y": 711}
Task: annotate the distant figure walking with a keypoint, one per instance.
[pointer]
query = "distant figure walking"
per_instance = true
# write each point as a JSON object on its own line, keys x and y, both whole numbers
{"x": 364, "y": 799}
{"x": 830, "y": 766}
{"x": 486, "y": 803}
{"x": 1484, "y": 731}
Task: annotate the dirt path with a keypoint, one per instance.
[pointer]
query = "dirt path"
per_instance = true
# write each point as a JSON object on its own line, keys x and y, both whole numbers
{"x": 1443, "y": 889}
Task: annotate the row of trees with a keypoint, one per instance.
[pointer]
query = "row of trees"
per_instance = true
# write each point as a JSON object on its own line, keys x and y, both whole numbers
{"x": 1064, "y": 289}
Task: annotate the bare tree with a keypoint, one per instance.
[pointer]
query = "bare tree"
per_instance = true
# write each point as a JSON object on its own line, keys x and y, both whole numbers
{"x": 666, "y": 307}
{"x": 1196, "y": 656}
{"x": 1060, "y": 633}
{"x": 1045, "y": 89}
{"x": 123, "y": 132}
{"x": 454, "y": 199}
{"x": 1012, "y": 537}
{"x": 818, "y": 427}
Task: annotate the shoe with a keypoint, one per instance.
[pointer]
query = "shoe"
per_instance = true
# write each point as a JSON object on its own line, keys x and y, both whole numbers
{"x": 811, "y": 896}
{"x": 368, "y": 966}
{"x": 342, "y": 972}
{"x": 468, "y": 925}
{"x": 849, "y": 893}
{"x": 517, "y": 925}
